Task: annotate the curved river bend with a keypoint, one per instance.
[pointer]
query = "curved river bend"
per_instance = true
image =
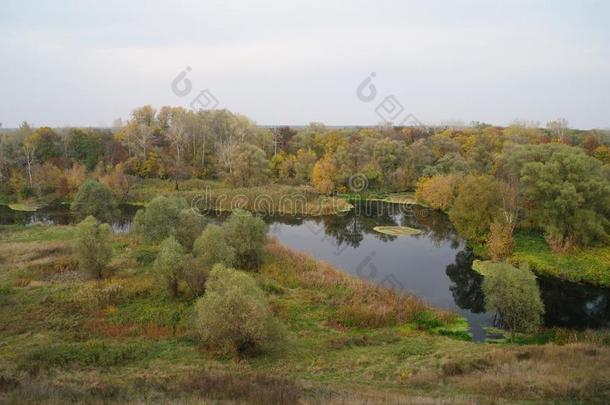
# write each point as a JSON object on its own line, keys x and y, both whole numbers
{"x": 434, "y": 265}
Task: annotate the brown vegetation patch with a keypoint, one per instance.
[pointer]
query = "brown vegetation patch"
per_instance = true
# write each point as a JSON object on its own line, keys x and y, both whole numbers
{"x": 31, "y": 252}
{"x": 254, "y": 389}
{"x": 359, "y": 303}
{"x": 571, "y": 372}
{"x": 101, "y": 327}
{"x": 49, "y": 261}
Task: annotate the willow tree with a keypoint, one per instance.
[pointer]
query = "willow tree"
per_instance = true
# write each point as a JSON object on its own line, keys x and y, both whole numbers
{"x": 93, "y": 248}
{"x": 566, "y": 192}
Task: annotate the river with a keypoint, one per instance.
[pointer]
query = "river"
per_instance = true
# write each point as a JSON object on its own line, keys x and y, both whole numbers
{"x": 435, "y": 265}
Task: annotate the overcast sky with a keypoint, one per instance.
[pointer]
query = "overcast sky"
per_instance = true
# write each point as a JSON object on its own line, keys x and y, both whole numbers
{"x": 294, "y": 62}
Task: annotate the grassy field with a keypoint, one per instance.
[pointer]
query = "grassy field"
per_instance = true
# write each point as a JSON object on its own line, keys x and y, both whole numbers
{"x": 590, "y": 265}
{"x": 64, "y": 339}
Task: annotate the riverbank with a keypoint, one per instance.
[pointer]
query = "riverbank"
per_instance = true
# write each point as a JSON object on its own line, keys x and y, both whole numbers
{"x": 590, "y": 265}
{"x": 585, "y": 265}
{"x": 346, "y": 340}
{"x": 210, "y": 195}
{"x": 406, "y": 197}
{"x": 217, "y": 196}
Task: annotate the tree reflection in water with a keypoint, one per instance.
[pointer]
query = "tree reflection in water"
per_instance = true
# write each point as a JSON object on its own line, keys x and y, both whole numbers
{"x": 466, "y": 287}
{"x": 436, "y": 226}
{"x": 567, "y": 304}
{"x": 574, "y": 305}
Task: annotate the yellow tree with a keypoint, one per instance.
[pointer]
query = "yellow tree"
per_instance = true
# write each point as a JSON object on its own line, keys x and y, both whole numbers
{"x": 602, "y": 153}
{"x": 438, "y": 192}
{"x": 323, "y": 175}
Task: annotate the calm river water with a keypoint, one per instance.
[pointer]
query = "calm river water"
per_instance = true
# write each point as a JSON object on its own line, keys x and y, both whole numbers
{"x": 435, "y": 265}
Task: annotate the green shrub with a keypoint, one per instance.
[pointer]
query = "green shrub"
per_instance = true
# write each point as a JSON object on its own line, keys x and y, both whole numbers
{"x": 514, "y": 294}
{"x": 6, "y": 289}
{"x": 95, "y": 199}
{"x": 211, "y": 247}
{"x": 247, "y": 235}
{"x": 189, "y": 226}
{"x": 93, "y": 249}
{"x": 159, "y": 219}
{"x": 194, "y": 275}
{"x": 170, "y": 263}
{"x": 233, "y": 315}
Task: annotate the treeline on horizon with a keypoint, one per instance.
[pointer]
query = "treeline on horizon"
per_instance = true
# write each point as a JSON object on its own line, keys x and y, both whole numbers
{"x": 489, "y": 179}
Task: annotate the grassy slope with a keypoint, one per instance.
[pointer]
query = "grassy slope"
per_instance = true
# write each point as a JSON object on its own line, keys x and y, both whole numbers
{"x": 591, "y": 265}
{"x": 67, "y": 339}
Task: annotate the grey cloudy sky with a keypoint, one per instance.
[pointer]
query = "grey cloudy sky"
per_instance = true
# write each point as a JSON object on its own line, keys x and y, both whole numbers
{"x": 294, "y": 62}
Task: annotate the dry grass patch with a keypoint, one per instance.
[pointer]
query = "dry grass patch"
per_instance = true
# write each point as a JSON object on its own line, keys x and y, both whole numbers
{"x": 359, "y": 303}
{"x": 44, "y": 261}
{"x": 571, "y": 372}
{"x": 31, "y": 253}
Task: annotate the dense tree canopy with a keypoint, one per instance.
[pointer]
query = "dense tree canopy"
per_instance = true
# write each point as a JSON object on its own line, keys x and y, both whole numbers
{"x": 476, "y": 206}
{"x": 568, "y": 191}
{"x": 250, "y": 166}
{"x": 553, "y": 179}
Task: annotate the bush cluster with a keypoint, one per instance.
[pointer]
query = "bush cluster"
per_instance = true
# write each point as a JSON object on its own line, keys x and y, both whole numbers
{"x": 233, "y": 314}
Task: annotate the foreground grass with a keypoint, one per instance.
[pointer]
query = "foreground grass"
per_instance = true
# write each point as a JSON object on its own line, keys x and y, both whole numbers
{"x": 347, "y": 341}
{"x": 590, "y": 265}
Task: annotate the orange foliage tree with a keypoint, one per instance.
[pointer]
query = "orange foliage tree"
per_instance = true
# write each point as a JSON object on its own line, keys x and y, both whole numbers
{"x": 438, "y": 191}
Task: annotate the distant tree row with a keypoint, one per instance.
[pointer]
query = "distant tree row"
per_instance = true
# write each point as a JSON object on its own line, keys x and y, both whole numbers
{"x": 490, "y": 179}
